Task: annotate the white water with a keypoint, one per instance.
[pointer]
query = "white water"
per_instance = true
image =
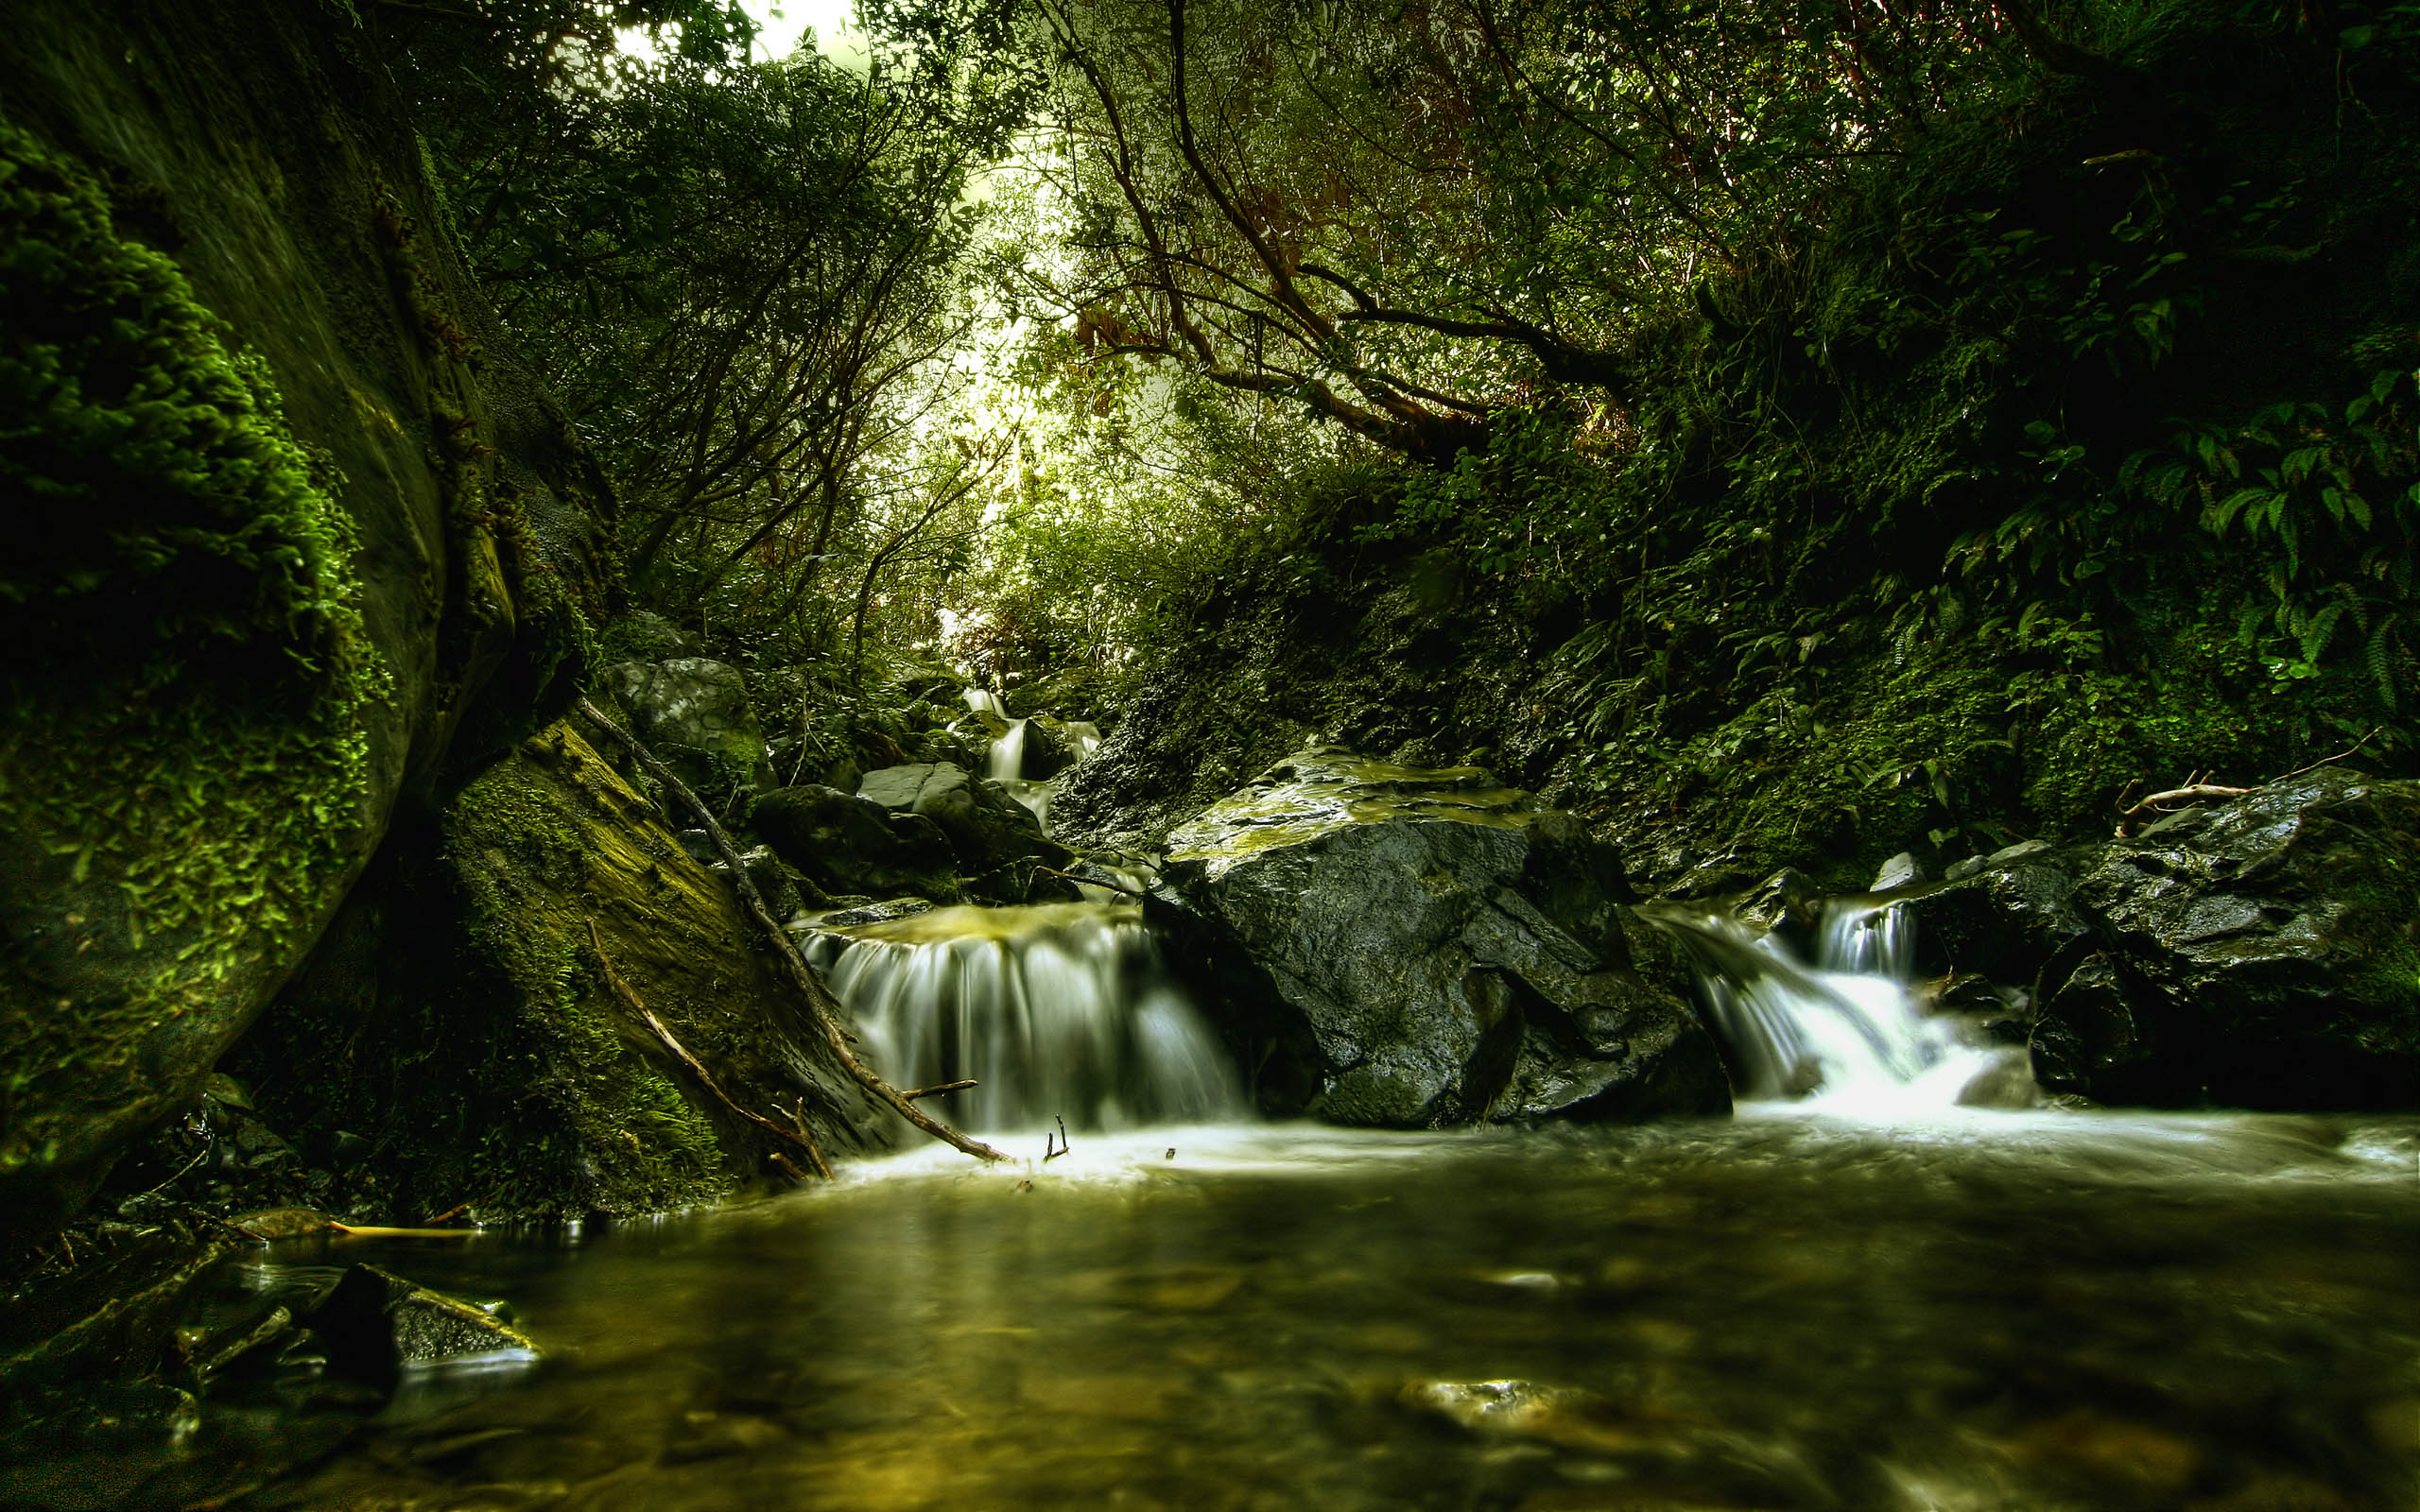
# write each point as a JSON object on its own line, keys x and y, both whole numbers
{"x": 1057, "y": 1011}
{"x": 1846, "y": 1035}
{"x": 1005, "y": 762}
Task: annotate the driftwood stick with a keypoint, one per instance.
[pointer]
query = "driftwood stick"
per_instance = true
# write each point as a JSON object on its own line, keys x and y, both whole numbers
{"x": 936, "y": 1092}
{"x": 2337, "y": 757}
{"x": 818, "y": 1000}
{"x": 697, "y": 1068}
{"x": 2191, "y": 790}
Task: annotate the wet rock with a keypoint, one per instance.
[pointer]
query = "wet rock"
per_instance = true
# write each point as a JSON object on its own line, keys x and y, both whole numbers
{"x": 1432, "y": 948}
{"x": 997, "y": 842}
{"x": 375, "y": 1322}
{"x": 693, "y": 714}
{"x": 785, "y": 890}
{"x": 2268, "y": 952}
{"x": 852, "y": 845}
{"x": 113, "y": 1317}
{"x": 271, "y": 1224}
{"x": 1520, "y": 1409}
{"x": 1902, "y": 870}
{"x": 2007, "y": 918}
{"x": 1789, "y": 900}
{"x": 881, "y": 912}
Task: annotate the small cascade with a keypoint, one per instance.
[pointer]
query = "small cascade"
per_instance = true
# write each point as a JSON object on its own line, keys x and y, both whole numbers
{"x": 1005, "y": 765}
{"x": 1846, "y": 1034}
{"x": 1056, "y": 1010}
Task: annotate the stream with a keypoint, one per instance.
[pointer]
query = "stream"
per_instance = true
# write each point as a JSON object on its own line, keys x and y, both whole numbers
{"x": 1982, "y": 1310}
{"x": 1860, "y": 1293}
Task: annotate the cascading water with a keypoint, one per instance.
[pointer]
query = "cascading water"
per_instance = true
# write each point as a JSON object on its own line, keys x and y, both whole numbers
{"x": 1847, "y": 1034}
{"x": 1005, "y": 764}
{"x": 1057, "y": 1010}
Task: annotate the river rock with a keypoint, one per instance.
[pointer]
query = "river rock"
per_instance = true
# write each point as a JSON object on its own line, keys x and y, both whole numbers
{"x": 375, "y": 1322}
{"x": 1426, "y": 947}
{"x": 853, "y": 846}
{"x": 693, "y": 714}
{"x": 2007, "y": 916}
{"x": 998, "y": 842}
{"x": 2266, "y": 953}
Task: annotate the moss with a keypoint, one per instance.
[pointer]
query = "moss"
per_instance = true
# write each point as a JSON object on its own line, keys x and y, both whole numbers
{"x": 189, "y": 688}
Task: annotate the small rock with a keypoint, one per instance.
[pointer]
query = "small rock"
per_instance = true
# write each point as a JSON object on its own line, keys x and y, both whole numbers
{"x": 375, "y": 1322}
{"x": 1902, "y": 870}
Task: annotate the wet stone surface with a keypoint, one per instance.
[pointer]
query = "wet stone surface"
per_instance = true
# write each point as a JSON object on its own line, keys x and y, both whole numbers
{"x": 2046, "y": 1311}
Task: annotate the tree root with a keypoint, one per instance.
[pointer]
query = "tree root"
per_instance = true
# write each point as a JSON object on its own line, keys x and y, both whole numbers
{"x": 697, "y": 1068}
{"x": 819, "y": 1002}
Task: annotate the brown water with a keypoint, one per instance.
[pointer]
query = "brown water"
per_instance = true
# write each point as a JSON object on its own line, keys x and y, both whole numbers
{"x": 1998, "y": 1311}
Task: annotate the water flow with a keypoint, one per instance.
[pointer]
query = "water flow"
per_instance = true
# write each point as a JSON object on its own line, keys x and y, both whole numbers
{"x": 1060, "y": 1010}
{"x": 1005, "y": 764}
{"x": 1846, "y": 1034}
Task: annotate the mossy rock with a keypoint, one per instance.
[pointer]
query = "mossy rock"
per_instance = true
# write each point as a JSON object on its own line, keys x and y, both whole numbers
{"x": 507, "y": 1073}
{"x": 294, "y": 535}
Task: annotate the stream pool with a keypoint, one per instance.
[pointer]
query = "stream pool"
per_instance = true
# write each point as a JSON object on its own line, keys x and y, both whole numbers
{"x": 2019, "y": 1310}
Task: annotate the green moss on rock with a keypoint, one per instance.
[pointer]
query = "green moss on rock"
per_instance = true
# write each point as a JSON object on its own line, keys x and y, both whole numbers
{"x": 185, "y": 757}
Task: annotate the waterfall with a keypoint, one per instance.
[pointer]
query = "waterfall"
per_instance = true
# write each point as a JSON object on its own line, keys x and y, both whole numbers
{"x": 1057, "y": 1010}
{"x": 1847, "y": 1034}
{"x": 1005, "y": 764}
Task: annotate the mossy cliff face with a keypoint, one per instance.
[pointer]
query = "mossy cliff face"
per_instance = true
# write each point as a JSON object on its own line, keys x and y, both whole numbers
{"x": 456, "y": 1041}
{"x": 280, "y": 512}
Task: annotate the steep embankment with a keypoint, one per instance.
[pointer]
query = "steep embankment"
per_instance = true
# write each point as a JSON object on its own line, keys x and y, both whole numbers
{"x": 298, "y": 551}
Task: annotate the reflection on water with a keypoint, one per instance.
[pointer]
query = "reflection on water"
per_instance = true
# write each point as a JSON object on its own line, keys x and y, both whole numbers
{"x": 2012, "y": 1311}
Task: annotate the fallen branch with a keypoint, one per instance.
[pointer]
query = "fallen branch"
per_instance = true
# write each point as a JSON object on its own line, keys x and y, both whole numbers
{"x": 794, "y": 965}
{"x": 940, "y": 1090}
{"x": 697, "y": 1068}
{"x": 2199, "y": 786}
{"x": 2189, "y": 792}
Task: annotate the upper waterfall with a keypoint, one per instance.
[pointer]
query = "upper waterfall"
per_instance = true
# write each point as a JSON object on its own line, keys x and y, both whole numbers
{"x": 1847, "y": 1034}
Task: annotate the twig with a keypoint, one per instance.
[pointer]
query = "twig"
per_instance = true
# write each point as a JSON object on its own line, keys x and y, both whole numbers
{"x": 2191, "y": 790}
{"x": 818, "y": 1000}
{"x": 630, "y": 1000}
{"x": 2337, "y": 757}
{"x": 2198, "y": 786}
{"x": 936, "y": 1092}
{"x": 1048, "y": 1153}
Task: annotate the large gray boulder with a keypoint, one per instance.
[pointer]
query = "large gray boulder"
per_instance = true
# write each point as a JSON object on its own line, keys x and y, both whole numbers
{"x": 694, "y": 714}
{"x": 999, "y": 844}
{"x": 2267, "y": 952}
{"x": 2263, "y": 951}
{"x": 852, "y": 846}
{"x": 1427, "y": 949}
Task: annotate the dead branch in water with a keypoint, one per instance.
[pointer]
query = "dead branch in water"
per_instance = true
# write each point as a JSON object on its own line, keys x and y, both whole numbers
{"x": 818, "y": 1000}
{"x": 697, "y": 1068}
{"x": 936, "y": 1092}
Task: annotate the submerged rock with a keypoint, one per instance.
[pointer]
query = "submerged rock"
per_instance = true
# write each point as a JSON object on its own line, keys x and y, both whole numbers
{"x": 375, "y": 1322}
{"x": 1428, "y": 948}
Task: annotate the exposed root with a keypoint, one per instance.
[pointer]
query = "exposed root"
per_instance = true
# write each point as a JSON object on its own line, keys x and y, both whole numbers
{"x": 819, "y": 1002}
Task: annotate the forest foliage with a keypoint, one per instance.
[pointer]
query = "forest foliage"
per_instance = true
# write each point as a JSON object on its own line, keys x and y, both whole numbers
{"x": 2041, "y": 379}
